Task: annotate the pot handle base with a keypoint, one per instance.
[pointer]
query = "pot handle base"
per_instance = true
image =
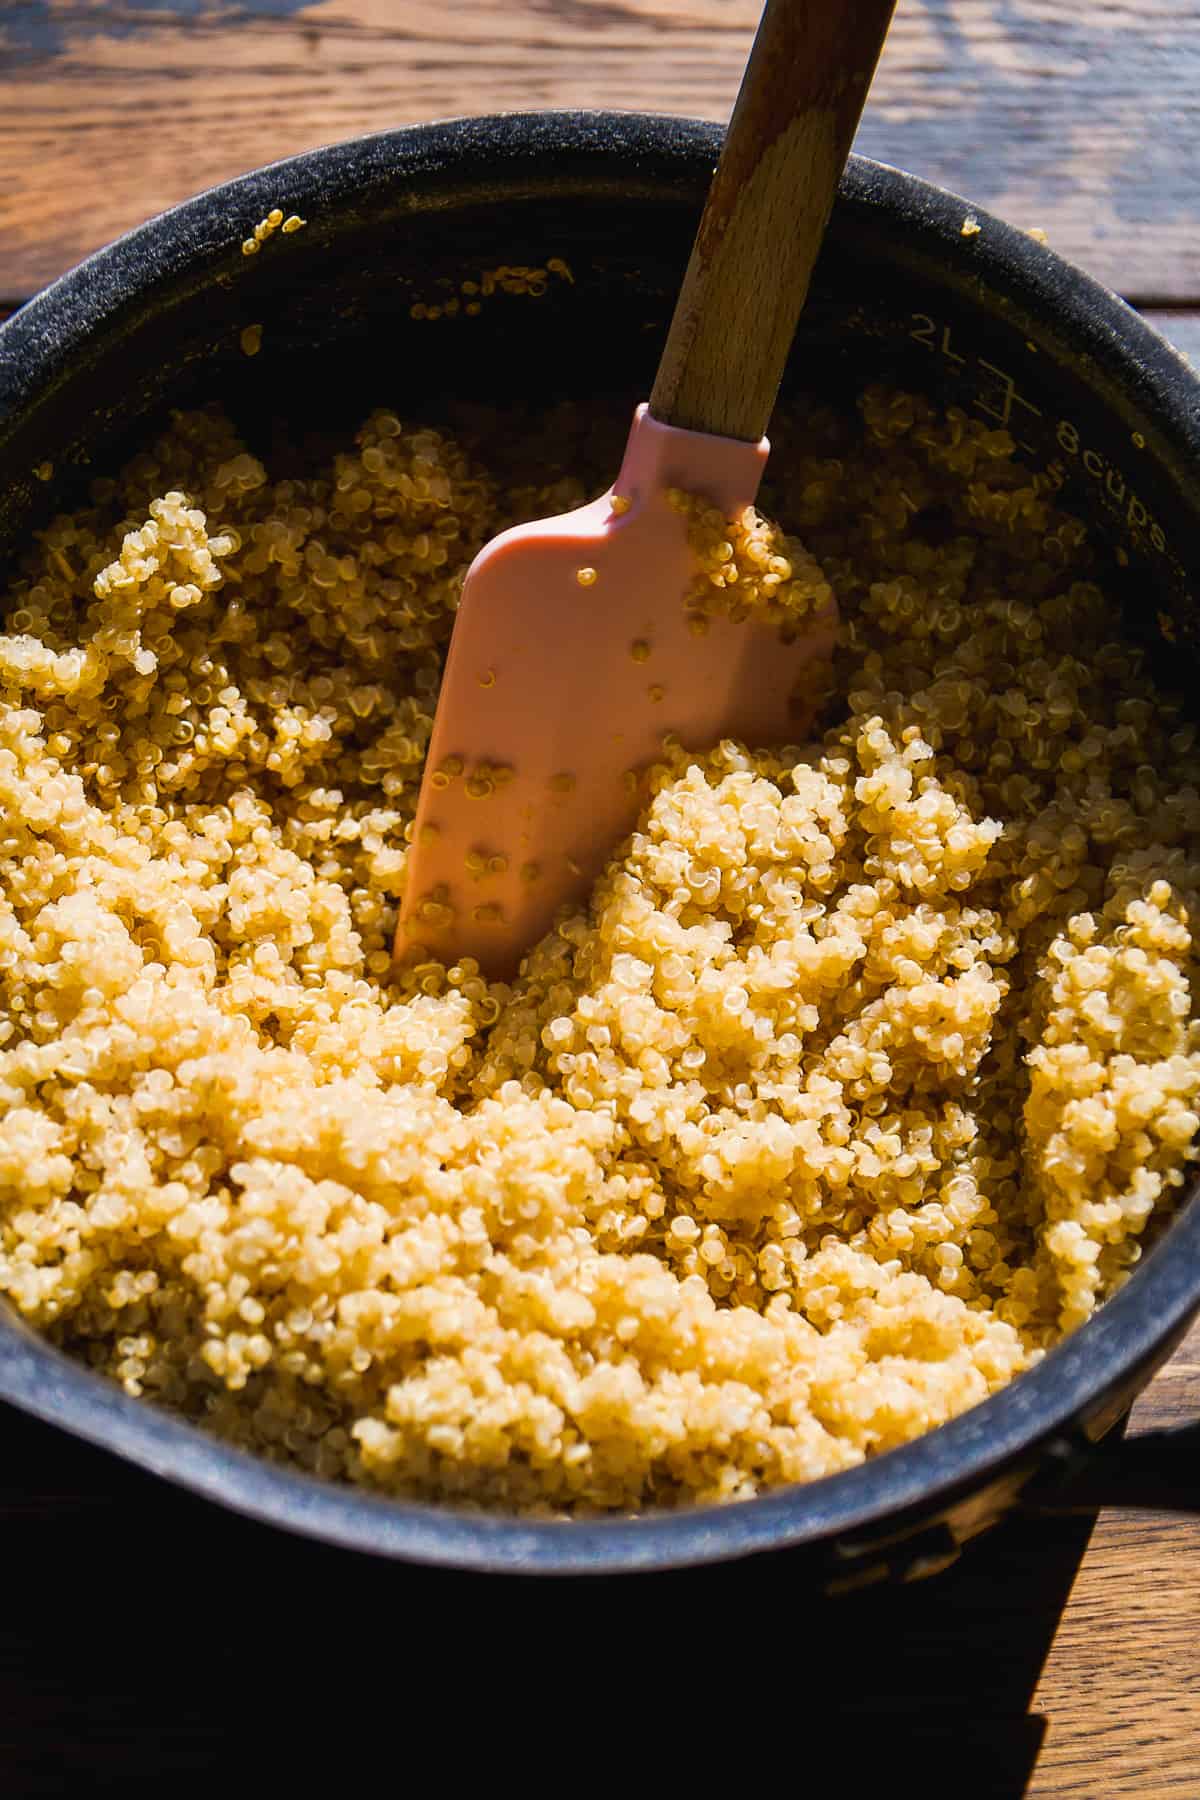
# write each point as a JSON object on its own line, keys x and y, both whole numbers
{"x": 1157, "y": 1470}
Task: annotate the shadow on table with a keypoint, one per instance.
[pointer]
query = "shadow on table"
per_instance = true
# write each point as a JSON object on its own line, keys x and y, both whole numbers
{"x": 145, "y": 1636}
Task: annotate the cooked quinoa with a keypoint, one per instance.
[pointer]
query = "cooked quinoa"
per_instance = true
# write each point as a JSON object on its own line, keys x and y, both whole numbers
{"x": 857, "y": 1084}
{"x": 749, "y": 567}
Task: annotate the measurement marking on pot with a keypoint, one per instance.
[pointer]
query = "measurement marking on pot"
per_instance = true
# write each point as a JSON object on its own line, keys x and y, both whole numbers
{"x": 924, "y": 334}
{"x": 997, "y": 394}
{"x": 1138, "y": 516}
{"x": 1008, "y": 397}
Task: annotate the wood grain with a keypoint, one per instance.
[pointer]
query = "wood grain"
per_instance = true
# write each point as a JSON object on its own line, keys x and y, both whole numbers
{"x": 765, "y": 216}
{"x": 1121, "y": 1685}
{"x": 1081, "y": 120}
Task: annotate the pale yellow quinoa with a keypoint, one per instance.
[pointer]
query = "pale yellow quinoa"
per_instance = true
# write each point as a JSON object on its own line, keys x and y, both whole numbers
{"x": 855, "y": 1087}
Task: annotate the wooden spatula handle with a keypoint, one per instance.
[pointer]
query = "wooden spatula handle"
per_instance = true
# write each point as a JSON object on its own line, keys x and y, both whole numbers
{"x": 799, "y": 106}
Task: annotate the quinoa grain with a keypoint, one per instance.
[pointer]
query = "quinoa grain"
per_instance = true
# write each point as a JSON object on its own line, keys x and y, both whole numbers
{"x": 859, "y": 1081}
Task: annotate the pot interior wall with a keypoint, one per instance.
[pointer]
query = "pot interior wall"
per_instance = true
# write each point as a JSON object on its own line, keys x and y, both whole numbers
{"x": 336, "y": 303}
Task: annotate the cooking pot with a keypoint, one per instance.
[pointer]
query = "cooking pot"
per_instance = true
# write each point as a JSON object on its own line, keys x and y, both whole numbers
{"x": 990, "y": 320}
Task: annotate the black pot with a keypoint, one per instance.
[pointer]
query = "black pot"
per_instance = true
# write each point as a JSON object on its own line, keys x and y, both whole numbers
{"x": 992, "y": 321}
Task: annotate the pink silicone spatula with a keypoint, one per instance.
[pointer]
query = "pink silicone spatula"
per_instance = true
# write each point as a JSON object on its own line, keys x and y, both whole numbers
{"x": 572, "y": 654}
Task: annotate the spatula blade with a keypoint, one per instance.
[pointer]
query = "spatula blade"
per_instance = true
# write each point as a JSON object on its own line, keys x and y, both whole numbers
{"x": 572, "y": 658}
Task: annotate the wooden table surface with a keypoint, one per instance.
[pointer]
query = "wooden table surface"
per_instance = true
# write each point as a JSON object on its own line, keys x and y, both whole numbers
{"x": 140, "y": 1629}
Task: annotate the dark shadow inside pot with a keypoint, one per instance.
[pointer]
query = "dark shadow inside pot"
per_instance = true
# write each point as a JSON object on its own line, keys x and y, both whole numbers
{"x": 336, "y": 305}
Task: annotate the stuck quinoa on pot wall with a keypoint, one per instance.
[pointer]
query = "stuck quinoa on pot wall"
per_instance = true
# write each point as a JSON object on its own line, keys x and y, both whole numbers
{"x": 856, "y": 1085}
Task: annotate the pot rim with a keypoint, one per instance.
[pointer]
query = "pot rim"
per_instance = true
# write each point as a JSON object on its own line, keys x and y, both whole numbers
{"x": 422, "y": 168}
